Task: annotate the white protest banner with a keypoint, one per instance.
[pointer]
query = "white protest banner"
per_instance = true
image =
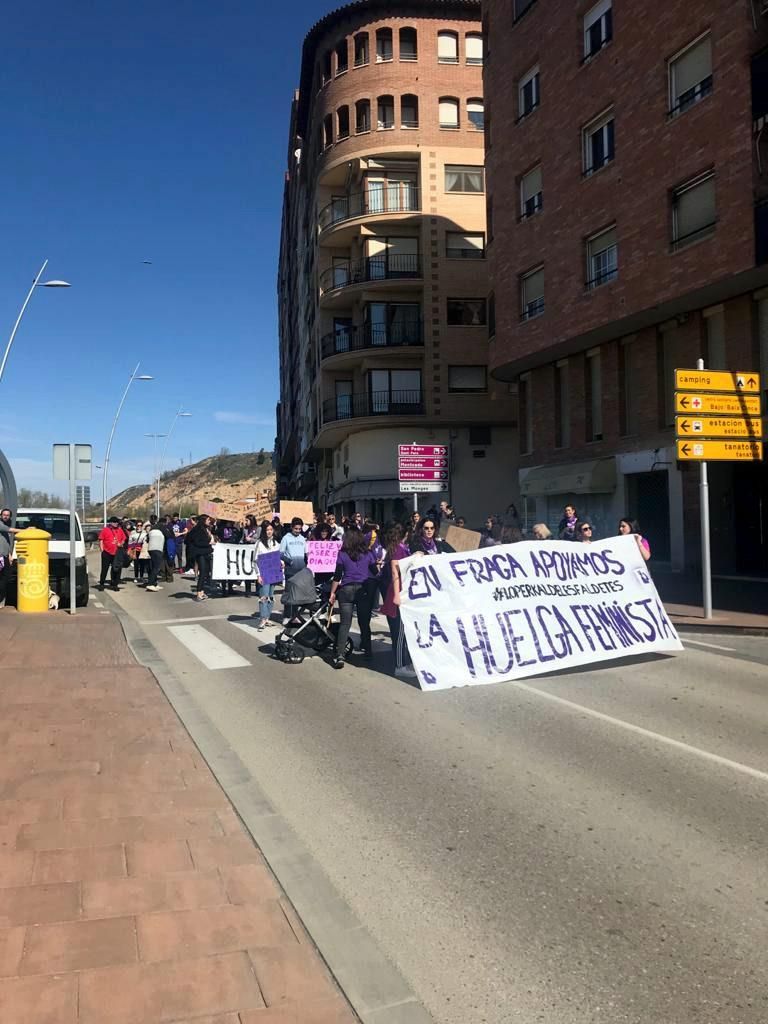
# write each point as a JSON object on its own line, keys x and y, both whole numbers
{"x": 322, "y": 555}
{"x": 235, "y": 562}
{"x": 518, "y": 610}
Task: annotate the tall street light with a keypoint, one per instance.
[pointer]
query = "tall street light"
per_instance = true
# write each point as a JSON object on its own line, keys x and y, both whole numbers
{"x": 35, "y": 284}
{"x": 134, "y": 376}
{"x": 179, "y": 414}
{"x": 155, "y": 471}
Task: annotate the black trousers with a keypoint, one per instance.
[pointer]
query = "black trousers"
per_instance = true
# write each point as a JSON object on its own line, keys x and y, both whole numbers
{"x": 108, "y": 566}
{"x": 204, "y": 569}
{"x": 351, "y": 597}
{"x": 5, "y": 575}
{"x": 155, "y": 565}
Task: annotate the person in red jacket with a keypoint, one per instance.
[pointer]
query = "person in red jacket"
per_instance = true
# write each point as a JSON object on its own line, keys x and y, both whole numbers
{"x": 111, "y": 541}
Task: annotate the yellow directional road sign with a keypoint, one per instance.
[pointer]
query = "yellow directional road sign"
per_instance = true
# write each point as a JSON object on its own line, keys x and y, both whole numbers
{"x": 719, "y": 451}
{"x": 740, "y": 381}
{"x": 718, "y": 426}
{"x": 721, "y": 405}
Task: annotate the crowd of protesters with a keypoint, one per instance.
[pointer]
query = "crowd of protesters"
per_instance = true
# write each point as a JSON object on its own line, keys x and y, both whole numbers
{"x": 367, "y": 575}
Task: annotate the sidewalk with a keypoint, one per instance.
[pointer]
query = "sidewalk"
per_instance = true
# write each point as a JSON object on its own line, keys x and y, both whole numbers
{"x": 739, "y": 606}
{"x": 130, "y": 893}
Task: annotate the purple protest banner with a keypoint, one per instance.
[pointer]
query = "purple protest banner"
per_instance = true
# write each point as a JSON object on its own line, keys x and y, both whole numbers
{"x": 270, "y": 567}
{"x": 322, "y": 555}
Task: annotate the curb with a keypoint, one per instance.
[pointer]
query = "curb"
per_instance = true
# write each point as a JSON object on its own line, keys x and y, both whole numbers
{"x": 374, "y": 987}
{"x": 717, "y": 629}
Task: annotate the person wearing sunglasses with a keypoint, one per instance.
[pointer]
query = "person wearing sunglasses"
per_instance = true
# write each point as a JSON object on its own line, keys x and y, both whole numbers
{"x": 426, "y": 539}
{"x": 584, "y": 533}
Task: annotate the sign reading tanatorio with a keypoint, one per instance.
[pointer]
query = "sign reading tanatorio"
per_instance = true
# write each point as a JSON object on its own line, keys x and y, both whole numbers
{"x": 519, "y": 610}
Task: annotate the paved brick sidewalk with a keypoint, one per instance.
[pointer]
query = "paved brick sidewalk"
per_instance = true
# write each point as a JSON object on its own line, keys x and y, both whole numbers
{"x": 130, "y": 892}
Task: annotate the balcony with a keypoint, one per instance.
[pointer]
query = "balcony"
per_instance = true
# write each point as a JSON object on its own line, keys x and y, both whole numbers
{"x": 375, "y": 403}
{"x": 406, "y": 267}
{"x": 372, "y": 336}
{"x": 398, "y": 197}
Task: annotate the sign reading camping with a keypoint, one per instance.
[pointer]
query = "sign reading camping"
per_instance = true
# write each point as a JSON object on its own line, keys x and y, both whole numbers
{"x": 514, "y": 611}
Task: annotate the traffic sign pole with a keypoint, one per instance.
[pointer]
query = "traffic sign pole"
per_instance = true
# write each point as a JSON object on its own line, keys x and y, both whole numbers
{"x": 706, "y": 551}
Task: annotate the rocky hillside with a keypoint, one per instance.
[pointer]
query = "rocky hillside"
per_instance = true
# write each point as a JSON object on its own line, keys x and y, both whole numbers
{"x": 224, "y": 477}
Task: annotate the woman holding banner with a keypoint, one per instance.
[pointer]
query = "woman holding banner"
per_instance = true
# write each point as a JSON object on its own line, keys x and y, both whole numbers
{"x": 629, "y": 526}
{"x": 200, "y": 547}
{"x": 266, "y": 544}
{"x": 395, "y": 549}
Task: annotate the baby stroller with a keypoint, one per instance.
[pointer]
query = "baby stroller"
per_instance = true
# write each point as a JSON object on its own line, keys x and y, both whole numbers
{"x": 316, "y": 633}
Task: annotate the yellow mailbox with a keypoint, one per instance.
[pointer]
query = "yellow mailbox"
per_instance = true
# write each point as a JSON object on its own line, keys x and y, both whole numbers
{"x": 32, "y": 570}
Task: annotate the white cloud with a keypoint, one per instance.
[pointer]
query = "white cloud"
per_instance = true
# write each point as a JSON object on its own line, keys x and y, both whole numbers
{"x": 243, "y": 418}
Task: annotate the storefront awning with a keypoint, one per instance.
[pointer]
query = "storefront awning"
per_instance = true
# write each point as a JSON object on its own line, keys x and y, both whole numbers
{"x": 597, "y": 477}
{"x": 361, "y": 489}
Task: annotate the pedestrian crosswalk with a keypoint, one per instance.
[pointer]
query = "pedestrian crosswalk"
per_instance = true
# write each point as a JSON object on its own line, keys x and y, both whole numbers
{"x": 207, "y": 648}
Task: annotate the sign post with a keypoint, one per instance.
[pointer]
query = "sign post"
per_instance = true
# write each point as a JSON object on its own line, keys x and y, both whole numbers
{"x": 72, "y": 462}
{"x": 719, "y": 421}
{"x": 422, "y": 468}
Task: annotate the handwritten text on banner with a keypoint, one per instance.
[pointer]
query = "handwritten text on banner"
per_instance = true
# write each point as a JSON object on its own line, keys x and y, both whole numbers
{"x": 518, "y": 610}
{"x": 322, "y": 555}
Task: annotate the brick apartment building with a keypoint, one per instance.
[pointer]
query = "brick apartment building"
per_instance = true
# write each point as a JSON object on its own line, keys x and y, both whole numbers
{"x": 383, "y": 278}
{"x": 627, "y": 160}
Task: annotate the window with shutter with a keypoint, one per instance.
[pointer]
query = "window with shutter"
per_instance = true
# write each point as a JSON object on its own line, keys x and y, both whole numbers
{"x": 598, "y": 143}
{"x": 449, "y": 112}
{"x": 532, "y": 294}
{"x": 475, "y": 114}
{"x": 690, "y": 75}
{"x": 474, "y": 48}
{"x": 528, "y": 93}
{"x": 598, "y": 28}
{"x": 602, "y": 258}
{"x": 467, "y": 378}
{"x": 447, "y": 48}
{"x": 531, "y": 195}
{"x": 460, "y": 246}
{"x": 693, "y": 210}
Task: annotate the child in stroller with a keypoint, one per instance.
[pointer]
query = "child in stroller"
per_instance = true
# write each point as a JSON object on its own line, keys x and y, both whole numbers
{"x": 315, "y": 633}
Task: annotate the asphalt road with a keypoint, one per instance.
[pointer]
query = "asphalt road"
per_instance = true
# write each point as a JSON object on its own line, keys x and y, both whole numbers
{"x": 585, "y": 847}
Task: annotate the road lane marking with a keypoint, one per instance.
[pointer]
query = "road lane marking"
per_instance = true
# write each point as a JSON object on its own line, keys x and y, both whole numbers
{"x": 724, "y": 762}
{"x": 703, "y": 643}
{"x": 173, "y": 622}
{"x": 207, "y": 648}
{"x": 262, "y": 639}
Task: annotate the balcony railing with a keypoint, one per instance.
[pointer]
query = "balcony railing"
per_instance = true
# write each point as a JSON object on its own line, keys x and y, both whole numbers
{"x": 395, "y": 198}
{"x": 357, "y": 339}
{"x": 375, "y": 403}
{"x": 372, "y": 268}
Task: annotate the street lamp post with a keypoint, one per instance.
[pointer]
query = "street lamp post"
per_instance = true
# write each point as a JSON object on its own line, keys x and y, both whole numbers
{"x": 156, "y": 472}
{"x": 162, "y": 457}
{"x": 35, "y": 283}
{"x": 134, "y": 376}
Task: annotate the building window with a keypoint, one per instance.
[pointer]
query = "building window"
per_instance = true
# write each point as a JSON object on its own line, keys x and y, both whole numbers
{"x": 383, "y": 44}
{"x": 362, "y": 116}
{"x": 598, "y": 143}
{"x": 461, "y": 246}
{"x": 602, "y": 258}
{"x": 464, "y": 179}
{"x": 327, "y": 67}
{"x": 520, "y": 7}
{"x": 491, "y": 316}
{"x": 361, "y": 49}
{"x": 327, "y": 131}
{"x": 395, "y": 391}
{"x": 531, "y": 196}
{"x": 562, "y": 405}
{"x": 475, "y": 114}
{"x": 408, "y": 44}
{"x": 627, "y": 387}
{"x": 598, "y": 28}
{"x": 525, "y": 413}
{"x": 467, "y": 379}
{"x": 449, "y": 112}
{"x": 715, "y": 321}
{"x": 409, "y": 111}
{"x": 528, "y": 96}
{"x": 473, "y": 47}
{"x": 342, "y": 123}
{"x": 342, "y": 58}
{"x": 693, "y": 210}
{"x": 466, "y": 312}
{"x": 532, "y": 294}
{"x": 385, "y": 112}
{"x": 480, "y": 437}
{"x": 448, "y": 47}
{"x": 690, "y": 75}
{"x": 393, "y": 323}
{"x": 593, "y": 388}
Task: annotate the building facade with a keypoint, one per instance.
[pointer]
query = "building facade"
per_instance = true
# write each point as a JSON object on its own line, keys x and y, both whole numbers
{"x": 383, "y": 276}
{"x": 627, "y": 167}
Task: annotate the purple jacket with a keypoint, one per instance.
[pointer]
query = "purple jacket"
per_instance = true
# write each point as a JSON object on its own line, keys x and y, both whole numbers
{"x": 349, "y": 571}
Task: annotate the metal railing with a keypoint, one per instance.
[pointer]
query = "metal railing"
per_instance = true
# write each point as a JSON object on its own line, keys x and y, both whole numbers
{"x": 375, "y": 403}
{"x": 365, "y": 336}
{"x": 398, "y": 197}
{"x": 372, "y": 268}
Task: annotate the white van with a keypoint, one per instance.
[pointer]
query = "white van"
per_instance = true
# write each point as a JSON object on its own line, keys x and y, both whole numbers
{"x": 56, "y": 522}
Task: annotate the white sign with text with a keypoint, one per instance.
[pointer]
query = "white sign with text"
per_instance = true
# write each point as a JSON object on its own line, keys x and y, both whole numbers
{"x": 519, "y": 610}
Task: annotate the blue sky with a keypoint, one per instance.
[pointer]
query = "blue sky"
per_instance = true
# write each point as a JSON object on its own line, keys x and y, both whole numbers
{"x": 135, "y": 132}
